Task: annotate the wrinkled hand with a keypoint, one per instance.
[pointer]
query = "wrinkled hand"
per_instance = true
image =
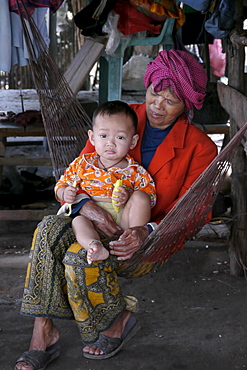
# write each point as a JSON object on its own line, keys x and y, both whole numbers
{"x": 69, "y": 194}
{"x": 101, "y": 219}
{"x": 121, "y": 197}
{"x": 129, "y": 242}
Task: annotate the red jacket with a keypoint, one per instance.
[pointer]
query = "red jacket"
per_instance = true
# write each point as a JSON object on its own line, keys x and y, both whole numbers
{"x": 178, "y": 160}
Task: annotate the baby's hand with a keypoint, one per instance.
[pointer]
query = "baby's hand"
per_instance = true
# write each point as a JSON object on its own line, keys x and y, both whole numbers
{"x": 69, "y": 194}
{"x": 121, "y": 197}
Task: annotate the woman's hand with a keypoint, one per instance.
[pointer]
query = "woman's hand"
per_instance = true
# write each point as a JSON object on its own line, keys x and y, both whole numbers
{"x": 121, "y": 197}
{"x": 101, "y": 219}
{"x": 129, "y": 242}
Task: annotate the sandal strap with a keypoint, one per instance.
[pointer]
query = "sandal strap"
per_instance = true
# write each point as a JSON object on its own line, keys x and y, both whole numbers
{"x": 37, "y": 359}
{"x": 107, "y": 344}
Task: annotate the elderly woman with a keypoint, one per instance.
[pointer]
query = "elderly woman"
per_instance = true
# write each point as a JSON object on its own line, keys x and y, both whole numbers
{"x": 60, "y": 283}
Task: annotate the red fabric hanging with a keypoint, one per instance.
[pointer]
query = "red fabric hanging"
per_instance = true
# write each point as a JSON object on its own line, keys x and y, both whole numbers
{"x": 131, "y": 20}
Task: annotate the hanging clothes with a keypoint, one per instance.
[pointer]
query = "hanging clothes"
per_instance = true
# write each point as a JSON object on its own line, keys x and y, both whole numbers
{"x": 5, "y": 37}
{"x": 54, "y": 5}
{"x": 132, "y": 20}
{"x": 12, "y": 42}
{"x": 217, "y": 58}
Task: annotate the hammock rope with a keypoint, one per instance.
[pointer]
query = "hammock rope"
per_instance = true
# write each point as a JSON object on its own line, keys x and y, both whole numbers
{"x": 186, "y": 218}
{"x": 65, "y": 121}
{"x": 66, "y": 125}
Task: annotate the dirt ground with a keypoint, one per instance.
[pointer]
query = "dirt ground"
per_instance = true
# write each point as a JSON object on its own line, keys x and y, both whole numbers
{"x": 192, "y": 312}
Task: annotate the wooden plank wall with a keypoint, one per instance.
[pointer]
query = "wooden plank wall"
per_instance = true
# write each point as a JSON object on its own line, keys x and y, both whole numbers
{"x": 233, "y": 99}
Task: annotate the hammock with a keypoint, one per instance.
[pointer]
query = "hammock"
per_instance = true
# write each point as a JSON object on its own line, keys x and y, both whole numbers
{"x": 187, "y": 216}
{"x": 65, "y": 121}
{"x": 66, "y": 126}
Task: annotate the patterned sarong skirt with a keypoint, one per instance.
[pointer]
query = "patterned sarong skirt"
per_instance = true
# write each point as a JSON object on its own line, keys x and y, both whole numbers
{"x": 60, "y": 284}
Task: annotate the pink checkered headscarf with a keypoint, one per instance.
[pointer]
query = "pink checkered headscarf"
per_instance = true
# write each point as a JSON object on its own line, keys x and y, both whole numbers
{"x": 182, "y": 72}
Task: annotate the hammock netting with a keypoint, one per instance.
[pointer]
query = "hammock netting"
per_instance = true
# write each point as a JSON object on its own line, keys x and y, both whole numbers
{"x": 65, "y": 121}
{"x": 66, "y": 125}
{"x": 187, "y": 216}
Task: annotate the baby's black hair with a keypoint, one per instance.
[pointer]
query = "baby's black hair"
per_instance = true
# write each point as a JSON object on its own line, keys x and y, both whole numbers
{"x": 115, "y": 107}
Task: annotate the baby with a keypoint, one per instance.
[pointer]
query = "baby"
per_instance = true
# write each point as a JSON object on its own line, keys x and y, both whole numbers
{"x": 113, "y": 134}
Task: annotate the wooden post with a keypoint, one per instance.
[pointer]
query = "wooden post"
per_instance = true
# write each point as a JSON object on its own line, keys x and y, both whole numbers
{"x": 238, "y": 238}
{"x": 110, "y": 87}
{"x": 2, "y": 155}
{"x": 52, "y": 34}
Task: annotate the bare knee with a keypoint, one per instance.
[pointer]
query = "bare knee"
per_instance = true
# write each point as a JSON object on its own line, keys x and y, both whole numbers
{"x": 140, "y": 198}
{"x": 80, "y": 223}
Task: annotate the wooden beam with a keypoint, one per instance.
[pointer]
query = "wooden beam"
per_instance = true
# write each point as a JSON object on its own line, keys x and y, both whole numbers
{"x": 11, "y": 130}
{"x": 239, "y": 39}
{"x": 25, "y": 161}
{"x": 82, "y": 64}
{"x": 234, "y": 103}
{"x": 214, "y": 129}
{"x": 2, "y": 154}
{"x": 24, "y": 214}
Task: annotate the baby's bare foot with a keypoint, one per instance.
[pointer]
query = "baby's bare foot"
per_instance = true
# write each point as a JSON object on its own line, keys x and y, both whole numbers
{"x": 97, "y": 252}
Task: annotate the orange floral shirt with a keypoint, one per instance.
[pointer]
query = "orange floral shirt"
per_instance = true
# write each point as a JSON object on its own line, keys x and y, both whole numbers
{"x": 96, "y": 182}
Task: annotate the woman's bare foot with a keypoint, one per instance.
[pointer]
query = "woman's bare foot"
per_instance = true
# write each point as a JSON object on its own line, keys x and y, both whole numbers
{"x": 97, "y": 252}
{"x": 44, "y": 335}
{"x": 115, "y": 331}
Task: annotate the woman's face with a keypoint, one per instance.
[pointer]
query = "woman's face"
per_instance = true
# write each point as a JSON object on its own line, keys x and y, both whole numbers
{"x": 162, "y": 107}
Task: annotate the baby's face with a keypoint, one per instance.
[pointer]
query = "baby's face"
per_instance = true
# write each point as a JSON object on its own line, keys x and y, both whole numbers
{"x": 113, "y": 136}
